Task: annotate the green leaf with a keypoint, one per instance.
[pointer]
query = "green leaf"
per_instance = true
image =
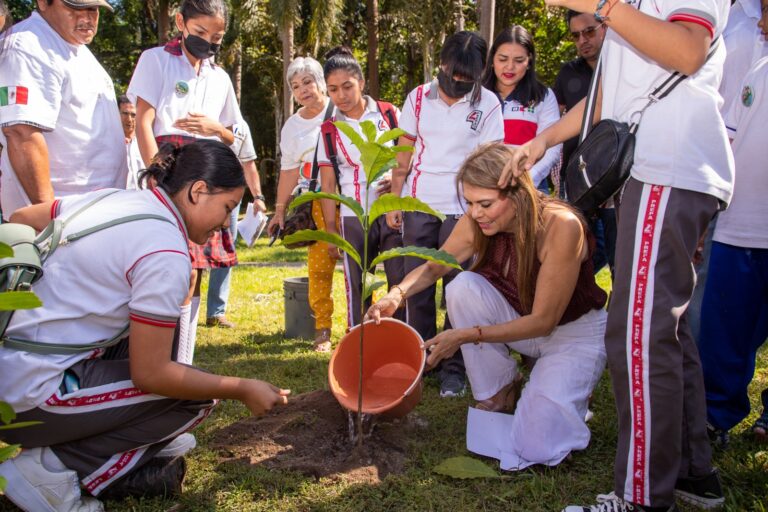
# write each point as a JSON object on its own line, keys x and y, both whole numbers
{"x": 8, "y": 452}
{"x": 306, "y": 235}
{"x": 3, "y": 483}
{"x": 375, "y": 157}
{"x": 390, "y": 202}
{"x": 390, "y": 135}
{"x": 402, "y": 149}
{"x": 7, "y": 414}
{"x": 441, "y": 257}
{"x": 464, "y": 468}
{"x": 350, "y": 132}
{"x": 18, "y": 300}
{"x": 369, "y": 130}
{"x": 371, "y": 285}
{"x": 21, "y": 424}
{"x": 346, "y": 200}
{"x": 5, "y": 251}
{"x": 384, "y": 170}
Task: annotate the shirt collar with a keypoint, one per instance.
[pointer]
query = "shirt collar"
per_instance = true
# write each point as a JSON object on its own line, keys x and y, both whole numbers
{"x": 370, "y": 106}
{"x": 433, "y": 93}
{"x": 163, "y": 197}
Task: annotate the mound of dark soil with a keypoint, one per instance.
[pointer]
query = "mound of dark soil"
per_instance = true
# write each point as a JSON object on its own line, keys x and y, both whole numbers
{"x": 311, "y": 435}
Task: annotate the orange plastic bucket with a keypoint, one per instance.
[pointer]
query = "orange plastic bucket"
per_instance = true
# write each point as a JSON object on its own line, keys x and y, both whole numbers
{"x": 393, "y": 362}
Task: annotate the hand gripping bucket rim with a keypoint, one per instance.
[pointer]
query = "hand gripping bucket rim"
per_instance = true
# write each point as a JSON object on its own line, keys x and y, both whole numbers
{"x": 343, "y": 379}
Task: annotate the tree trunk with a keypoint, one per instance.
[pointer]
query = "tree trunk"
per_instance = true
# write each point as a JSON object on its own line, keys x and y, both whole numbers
{"x": 163, "y": 22}
{"x": 286, "y": 36}
{"x": 411, "y": 71}
{"x": 428, "y": 64}
{"x": 237, "y": 77}
{"x": 459, "y": 14}
{"x": 487, "y": 9}
{"x": 372, "y": 23}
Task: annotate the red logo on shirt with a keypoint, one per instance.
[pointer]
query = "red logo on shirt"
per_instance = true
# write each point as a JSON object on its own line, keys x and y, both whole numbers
{"x": 383, "y": 126}
{"x": 474, "y": 117}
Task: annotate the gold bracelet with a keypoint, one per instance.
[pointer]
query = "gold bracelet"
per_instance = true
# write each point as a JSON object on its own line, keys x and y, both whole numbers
{"x": 402, "y": 294}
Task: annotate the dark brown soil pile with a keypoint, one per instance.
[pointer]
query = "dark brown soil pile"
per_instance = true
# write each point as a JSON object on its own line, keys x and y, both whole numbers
{"x": 311, "y": 435}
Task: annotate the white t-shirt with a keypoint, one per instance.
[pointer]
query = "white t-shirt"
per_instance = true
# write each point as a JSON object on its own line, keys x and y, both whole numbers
{"x": 243, "y": 145}
{"x": 298, "y": 140}
{"x": 681, "y": 141}
{"x": 352, "y": 179}
{"x": 745, "y": 222}
{"x": 166, "y": 80}
{"x": 524, "y": 122}
{"x": 62, "y": 89}
{"x": 444, "y": 136}
{"x": 135, "y": 164}
{"x": 141, "y": 274}
{"x": 744, "y": 46}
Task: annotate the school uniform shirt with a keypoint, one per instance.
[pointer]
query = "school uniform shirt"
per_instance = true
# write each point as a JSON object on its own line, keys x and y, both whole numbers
{"x": 243, "y": 145}
{"x": 681, "y": 141}
{"x": 135, "y": 164}
{"x": 444, "y": 136}
{"x": 524, "y": 122}
{"x": 352, "y": 179}
{"x": 298, "y": 140}
{"x": 744, "y": 44}
{"x": 745, "y": 222}
{"x": 63, "y": 90}
{"x": 166, "y": 80}
{"x": 141, "y": 274}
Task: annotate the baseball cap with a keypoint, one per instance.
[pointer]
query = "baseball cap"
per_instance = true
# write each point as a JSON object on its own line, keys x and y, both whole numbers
{"x": 82, "y": 4}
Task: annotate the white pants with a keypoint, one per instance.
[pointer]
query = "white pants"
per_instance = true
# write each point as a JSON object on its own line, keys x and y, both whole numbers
{"x": 549, "y": 421}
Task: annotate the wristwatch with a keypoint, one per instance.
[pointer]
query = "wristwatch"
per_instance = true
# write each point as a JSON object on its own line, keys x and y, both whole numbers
{"x": 259, "y": 197}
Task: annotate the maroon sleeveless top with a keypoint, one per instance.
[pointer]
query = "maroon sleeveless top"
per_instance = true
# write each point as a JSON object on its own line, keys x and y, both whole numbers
{"x": 501, "y": 254}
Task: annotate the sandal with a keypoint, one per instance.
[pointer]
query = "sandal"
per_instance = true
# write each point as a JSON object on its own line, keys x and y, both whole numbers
{"x": 505, "y": 400}
{"x": 760, "y": 427}
{"x": 322, "y": 341}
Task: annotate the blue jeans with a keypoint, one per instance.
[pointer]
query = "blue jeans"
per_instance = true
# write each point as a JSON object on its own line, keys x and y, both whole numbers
{"x": 219, "y": 281}
{"x": 603, "y": 226}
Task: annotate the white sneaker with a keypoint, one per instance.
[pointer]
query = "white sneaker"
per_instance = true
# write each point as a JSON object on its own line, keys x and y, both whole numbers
{"x": 179, "y": 446}
{"x": 34, "y": 488}
{"x": 611, "y": 503}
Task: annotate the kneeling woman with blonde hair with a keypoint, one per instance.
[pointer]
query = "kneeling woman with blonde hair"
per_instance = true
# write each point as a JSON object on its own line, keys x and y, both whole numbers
{"x": 530, "y": 290}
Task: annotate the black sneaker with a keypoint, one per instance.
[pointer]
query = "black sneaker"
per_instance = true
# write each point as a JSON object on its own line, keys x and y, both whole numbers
{"x": 705, "y": 492}
{"x": 718, "y": 437}
{"x": 453, "y": 385}
{"x": 161, "y": 476}
{"x": 612, "y": 503}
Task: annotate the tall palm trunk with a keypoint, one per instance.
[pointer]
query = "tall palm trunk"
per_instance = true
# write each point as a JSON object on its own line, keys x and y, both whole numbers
{"x": 487, "y": 9}
{"x": 372, "y": 22}
{"x": 163, "y": 22}
{"x": 286, "y": 38}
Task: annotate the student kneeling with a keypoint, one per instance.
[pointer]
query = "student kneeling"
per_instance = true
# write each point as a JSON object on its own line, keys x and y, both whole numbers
{"x": 109, "y": 415}
{"x": 530, "y": 290}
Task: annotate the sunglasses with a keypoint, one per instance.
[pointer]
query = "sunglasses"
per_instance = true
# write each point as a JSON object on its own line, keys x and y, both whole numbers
{"x": 588, "y": 33}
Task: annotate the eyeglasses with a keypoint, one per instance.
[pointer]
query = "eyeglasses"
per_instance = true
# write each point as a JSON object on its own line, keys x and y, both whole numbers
{"x": 588, "y": 33}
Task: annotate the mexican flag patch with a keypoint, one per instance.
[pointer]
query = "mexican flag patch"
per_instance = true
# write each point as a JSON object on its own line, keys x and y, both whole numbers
{"x": 13, "y": 95}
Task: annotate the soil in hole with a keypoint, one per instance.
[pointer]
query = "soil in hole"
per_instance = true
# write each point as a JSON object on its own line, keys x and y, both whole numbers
{"x": 310, "y": 435}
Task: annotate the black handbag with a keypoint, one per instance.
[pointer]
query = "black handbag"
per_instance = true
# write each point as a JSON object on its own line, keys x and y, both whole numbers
{"x": 301, "y": 217}
{"x": 602, "y": 162}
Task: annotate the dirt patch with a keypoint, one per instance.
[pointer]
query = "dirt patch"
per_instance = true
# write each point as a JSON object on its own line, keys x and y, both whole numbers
{"x": 311, "y": 435}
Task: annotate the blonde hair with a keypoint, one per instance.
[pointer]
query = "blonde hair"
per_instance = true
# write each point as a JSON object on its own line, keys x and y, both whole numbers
{"x": 482, "y": 169}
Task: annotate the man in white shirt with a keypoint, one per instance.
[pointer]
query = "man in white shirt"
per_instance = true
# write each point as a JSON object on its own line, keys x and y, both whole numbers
{"x": 134, "y": 161}
{"x": 58, "y": 111}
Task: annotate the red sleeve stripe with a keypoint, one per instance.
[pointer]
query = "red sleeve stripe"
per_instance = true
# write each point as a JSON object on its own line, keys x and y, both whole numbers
{"x": 690, "y": 18}
{"x": 152, "y": 321}
{"x": 127, "y": 272}
{"x": 409, "y": 136}
{"x": 54, "y": 208}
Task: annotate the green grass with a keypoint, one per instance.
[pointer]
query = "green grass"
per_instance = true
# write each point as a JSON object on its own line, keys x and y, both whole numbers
{"x": 257, "y": 349}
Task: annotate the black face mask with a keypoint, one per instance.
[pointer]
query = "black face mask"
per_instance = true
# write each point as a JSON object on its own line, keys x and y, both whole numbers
{"x": 454, "y": 88}
{"x": 199, "y": 47}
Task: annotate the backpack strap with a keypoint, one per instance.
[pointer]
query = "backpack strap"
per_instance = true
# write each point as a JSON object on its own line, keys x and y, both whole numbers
{"x": 328, "y": 134}
{"x": 388, "y": 111}
{"x": 38, "y": 347}
{"x": 315, "y": 165}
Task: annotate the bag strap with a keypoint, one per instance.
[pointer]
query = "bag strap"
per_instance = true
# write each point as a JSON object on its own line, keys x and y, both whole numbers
{"x": 328, "y": 134}
{"x": 39, "y": 347}
{"x": 315, "y": 165}
{"x": 659, "y": 93}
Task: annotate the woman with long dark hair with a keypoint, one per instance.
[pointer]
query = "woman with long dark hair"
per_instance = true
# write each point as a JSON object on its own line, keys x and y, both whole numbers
{"x": 531, "y": 290}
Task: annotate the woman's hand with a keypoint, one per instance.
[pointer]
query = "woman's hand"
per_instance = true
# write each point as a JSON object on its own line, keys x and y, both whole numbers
{"x": 199, "y": 124}
{"x": 384, "y": 186}
{"x": 259, "y": 396}
{"x": 385, "y": 307}
{"x": 334, "y": 252}
{"x": 523, "y": 159}
{"x": 395, "y": 219}
{"x": 276, "y": 222}
{"x": 444, "y": 345}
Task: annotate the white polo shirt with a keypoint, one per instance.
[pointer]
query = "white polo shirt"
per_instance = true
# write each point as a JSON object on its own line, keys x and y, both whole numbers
{"x": 681, "y": 141}
{"x": 524, "y": 122}
{"x": 744, "y": 46}
{"x": 62, "y": 89}
{"x": 166, "y": 80}
{"x": 444, "y": 136}
{"x": 135, "y": 164}
{"x": 745, "y": 222}
{"x": 352, "y": 179}
{"x": 298, "y": 140}
{"x": 243, "y": 145}
{"x": 141, "y": 273}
